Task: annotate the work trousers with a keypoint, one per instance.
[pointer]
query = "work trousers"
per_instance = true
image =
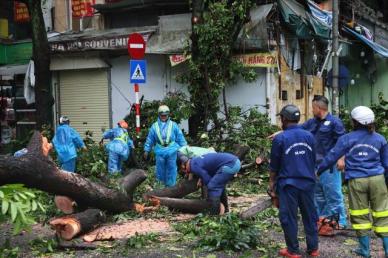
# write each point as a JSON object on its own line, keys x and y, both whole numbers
{"x": 368, "y": 205}
{"x": 329, "y": 199}
{"x": 290, "y": 199}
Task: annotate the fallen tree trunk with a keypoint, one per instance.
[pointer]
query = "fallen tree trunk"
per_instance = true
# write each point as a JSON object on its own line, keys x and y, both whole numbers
{"x": 183, "y": 188}
{"x": 35, "y": 170}
{"x": 259, "y": 207}
{"x": 70, "y": 226}
{"x": 187, "y": 205}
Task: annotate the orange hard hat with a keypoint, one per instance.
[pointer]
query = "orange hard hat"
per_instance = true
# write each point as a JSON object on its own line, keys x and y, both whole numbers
{"x": 123, "y": 124}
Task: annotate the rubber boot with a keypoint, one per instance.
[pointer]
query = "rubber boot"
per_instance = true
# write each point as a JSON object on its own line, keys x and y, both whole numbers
{"x": 224, "y": 201}
{"x": 214, "y": 206}
{"x": 363, "y": 248}
{"x": 385, "y": 244}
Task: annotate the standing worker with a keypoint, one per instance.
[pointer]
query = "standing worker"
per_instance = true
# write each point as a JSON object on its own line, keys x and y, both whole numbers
{"x": 326, "y": 129}
{"x": 366, "y": 157}
{"x": 66, "y": 141}
{"x": 329, "y": 199}
{"x": 166, "y": 138}
{"x": 292, "y": 180}
{"x": 119, "y": 147}
{"x": 215, "y": 170}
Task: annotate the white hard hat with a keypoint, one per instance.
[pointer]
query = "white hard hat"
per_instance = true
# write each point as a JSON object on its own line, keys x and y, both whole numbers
{"x": 363, "y": 115}
{"x": 64, "y": 120}
{"x": 163, "y": 110}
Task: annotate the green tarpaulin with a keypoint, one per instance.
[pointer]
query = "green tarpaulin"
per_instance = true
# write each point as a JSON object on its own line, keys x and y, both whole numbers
{"x": 301, "y": 22}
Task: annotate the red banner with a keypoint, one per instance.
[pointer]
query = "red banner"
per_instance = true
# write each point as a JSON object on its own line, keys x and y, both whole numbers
{"x": 82, "y": 8}
{"x": 20, "y": 12}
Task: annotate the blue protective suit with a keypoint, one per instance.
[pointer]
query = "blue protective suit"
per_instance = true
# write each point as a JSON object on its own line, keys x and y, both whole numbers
{"x": 293, "y": 161}
{"x": 118, "y": 148}
{"x": 215, "y": 170}
{"x": 329, "y": 199}
{"x": 366, "y": 154}
{"x": 66, "y": 141}
{"x": 165, "y": 138}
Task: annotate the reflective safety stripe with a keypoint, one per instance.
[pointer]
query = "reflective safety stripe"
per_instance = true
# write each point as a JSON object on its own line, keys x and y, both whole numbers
{"x": 380, "y": 229}
{"x": 123, "y": 137}
{"x": 169, "y": 132}
{"x": 359, "y": 212}
{"x": 362, "y": 226}
{"x": 380, "y": 214}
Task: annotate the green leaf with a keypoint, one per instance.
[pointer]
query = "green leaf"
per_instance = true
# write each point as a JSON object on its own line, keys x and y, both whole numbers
{"x": 1, "y": 195}
{"x": 13, "y": 211}
{"x": 4, "y": 206}
{"x": 350, "y": 241}
{"x": 22, "y": 196}
{"x": 33, "y": 205}
{"x": 30, "y": 194}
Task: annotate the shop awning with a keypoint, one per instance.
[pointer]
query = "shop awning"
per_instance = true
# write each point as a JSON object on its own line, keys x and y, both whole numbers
{"x": 97, "y": 40}
{"x": 124, "y": 5}
{"x": 75, "y": 63}
{"x": 254, "y": 34}
{"x": 11, "y": 70}
{"x": 305, "y": 23}
{"x": 376, "y": 47}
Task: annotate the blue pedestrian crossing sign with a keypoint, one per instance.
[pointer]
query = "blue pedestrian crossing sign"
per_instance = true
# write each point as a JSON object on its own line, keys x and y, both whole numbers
{"x": 137, "y": 71}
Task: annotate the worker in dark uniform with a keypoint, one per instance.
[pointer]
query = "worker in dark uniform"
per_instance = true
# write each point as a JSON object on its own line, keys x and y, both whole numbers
{"x": 292, "y": 180}
{"x": 366, "y": 158}
{"x": 215, "y": 170}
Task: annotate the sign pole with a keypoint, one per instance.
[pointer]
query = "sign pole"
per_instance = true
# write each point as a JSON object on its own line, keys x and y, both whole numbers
{"x": 137, "y": 108}
{"x": 137, "y": 68}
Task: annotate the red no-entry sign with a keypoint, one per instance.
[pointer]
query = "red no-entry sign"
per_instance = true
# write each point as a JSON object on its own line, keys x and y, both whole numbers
{"x": 136, "y": 46}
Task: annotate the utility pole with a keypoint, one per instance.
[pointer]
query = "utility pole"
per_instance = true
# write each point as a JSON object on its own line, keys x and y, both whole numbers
{"x": 335, "y": 58}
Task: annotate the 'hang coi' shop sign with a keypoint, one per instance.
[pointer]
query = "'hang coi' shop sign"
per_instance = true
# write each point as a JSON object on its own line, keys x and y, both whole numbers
{"x": 258, "y": 59}
{"x": 248, "y": 60}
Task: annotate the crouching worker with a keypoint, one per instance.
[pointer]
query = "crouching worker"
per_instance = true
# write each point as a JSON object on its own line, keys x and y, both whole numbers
{"x": 193, "y": 151}
{"x": 215, "y": 170}
{"x": 292, "y": 179}
{"x": 366, "y": 159}
{"x": 66, "y": 141}
{"x": 119, "y": 147}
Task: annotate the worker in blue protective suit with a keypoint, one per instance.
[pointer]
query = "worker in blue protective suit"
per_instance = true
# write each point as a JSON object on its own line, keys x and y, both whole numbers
{"x": 215, "y": 170}
{"x": 66, "y": 141}
{"x": 366, "y": 158}
{"x": 292, "y": 181}
{"x": 119, "y": 147}
{"x": 165, "y": 138}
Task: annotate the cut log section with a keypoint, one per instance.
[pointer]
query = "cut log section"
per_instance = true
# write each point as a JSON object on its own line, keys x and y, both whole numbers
{"x": 65, "y": 204}
{"x": 71, "y": 226}
{"x": 35, "y": 170}
{"x": 259, "y": 207}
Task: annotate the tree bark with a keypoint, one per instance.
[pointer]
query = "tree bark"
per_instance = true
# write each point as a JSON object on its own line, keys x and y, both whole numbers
{"x": 35, "y": 170}
{"x": 183, "y": 188}
{"x": 185, "y": 205}
{"x": 70, "y": 226}
{"x": 41, "y": 56}
{"x": 259, "y": 207}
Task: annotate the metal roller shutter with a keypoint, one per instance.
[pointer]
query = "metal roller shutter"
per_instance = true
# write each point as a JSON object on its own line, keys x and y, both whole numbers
{"x": 84, "y": 98}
